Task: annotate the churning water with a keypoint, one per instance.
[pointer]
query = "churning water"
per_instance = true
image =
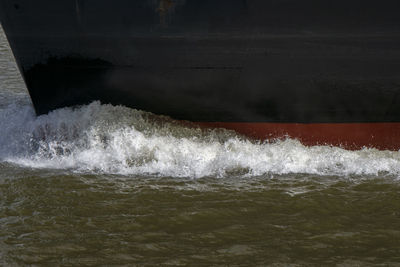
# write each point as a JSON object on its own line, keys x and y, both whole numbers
{"x": 105, "y": 139}
{"x": 106, "y": 185}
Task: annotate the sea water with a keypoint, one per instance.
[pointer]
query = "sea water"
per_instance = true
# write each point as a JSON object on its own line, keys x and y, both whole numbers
{"x": 109, "y": 185}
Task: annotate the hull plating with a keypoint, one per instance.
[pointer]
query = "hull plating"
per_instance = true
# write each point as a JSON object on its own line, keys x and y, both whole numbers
{"x": 353, "y": 136}
{"x": 285, "y": 67}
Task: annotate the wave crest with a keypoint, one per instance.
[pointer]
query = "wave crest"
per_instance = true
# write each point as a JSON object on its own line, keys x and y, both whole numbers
{"x": 119, "y": 140}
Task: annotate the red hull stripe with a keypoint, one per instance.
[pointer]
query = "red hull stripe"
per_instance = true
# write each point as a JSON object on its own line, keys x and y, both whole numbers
{"x": 383, "y": 136}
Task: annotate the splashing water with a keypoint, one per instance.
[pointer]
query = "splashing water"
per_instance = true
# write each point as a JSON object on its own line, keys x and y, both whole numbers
{"x": 114, "y": 139}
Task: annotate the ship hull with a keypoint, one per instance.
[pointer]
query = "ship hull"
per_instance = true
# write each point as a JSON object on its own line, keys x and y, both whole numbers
{"x": 324, "y": 73}
{"x": 353, "y": 136}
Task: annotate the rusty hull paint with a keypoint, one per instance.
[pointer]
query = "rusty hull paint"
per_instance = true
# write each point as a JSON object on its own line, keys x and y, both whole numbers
{"x": 353, "y": 136}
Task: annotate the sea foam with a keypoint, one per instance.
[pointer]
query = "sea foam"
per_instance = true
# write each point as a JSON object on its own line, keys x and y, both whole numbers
{"x": 110, "y": 139}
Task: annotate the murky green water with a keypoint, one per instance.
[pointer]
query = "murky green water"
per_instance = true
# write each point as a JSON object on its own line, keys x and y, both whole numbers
{"x": 104, "y": 185}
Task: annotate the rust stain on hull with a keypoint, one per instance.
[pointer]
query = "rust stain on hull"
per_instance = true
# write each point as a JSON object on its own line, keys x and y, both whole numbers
{"x": 165, "y": 8}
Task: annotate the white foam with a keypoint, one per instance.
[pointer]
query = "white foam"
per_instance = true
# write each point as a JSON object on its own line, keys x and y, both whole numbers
{"x": 112, "y": 139}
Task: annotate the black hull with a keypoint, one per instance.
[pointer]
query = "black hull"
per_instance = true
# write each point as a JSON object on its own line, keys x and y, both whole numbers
{"x": 261, "y": 61}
